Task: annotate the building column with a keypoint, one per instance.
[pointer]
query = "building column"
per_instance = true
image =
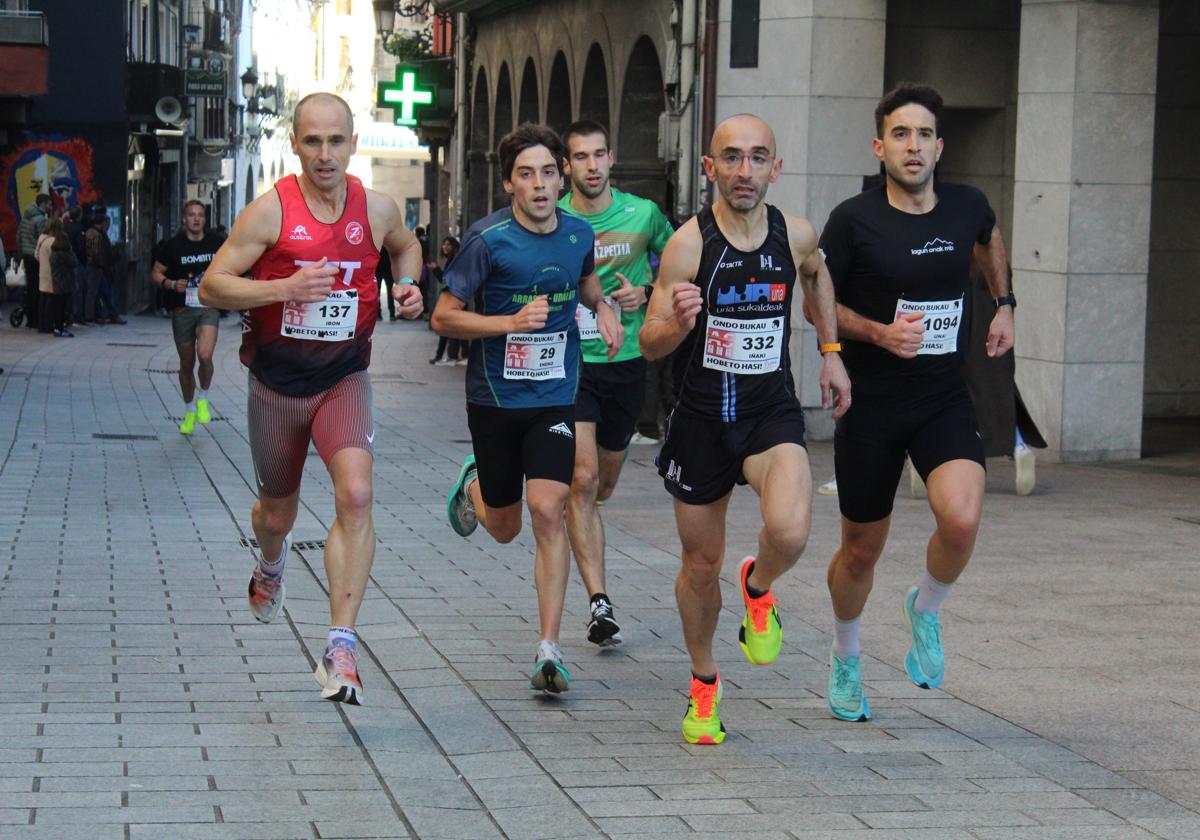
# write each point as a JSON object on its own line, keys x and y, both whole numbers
{"x": 1081, "y": 220}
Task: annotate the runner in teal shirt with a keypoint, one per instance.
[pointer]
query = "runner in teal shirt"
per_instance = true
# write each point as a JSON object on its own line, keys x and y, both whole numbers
{"x": 610, "y": 393}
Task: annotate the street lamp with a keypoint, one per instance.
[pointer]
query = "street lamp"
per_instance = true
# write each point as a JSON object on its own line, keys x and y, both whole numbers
{"x": 385, "y": 15}
{"x": 249, "y": 83}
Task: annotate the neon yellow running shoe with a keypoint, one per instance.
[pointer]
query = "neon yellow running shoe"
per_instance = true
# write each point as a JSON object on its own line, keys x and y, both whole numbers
{"x": 202, "y": 412}
{"x": 189, "y": 423}
{"x": 701, "y": 724}
{"x": 761, "y": 633}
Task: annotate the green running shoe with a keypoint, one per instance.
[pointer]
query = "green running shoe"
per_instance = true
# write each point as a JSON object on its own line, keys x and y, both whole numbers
{"x": 189, "y": 423}
{"x": 701, "y": 724}
{"x": 460, "y": 510}
{"x": 924, "y": 663}
{"x": 549, "y": 673}
{"x": 761, "y": 633}
{"x": 846, "y": 698}
{"x": 202, "y": 412}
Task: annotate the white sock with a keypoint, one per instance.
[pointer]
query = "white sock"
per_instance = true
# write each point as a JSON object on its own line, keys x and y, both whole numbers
{"x": 930, "y": 594}
{"x": 343, "y": 635}
{"x": 273, "y": 568}
{"x": 201, "y": 394}
{"x": 191, "y": 407}
{"x": 845, "y": 637}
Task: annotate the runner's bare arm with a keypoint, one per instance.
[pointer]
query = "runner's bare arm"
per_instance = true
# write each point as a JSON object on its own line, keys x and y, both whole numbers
{"x": 676, "y": 300}
{"x": 993, "y": 259}
{"x": 255, "y": 230}
{"x": 819, "y": 299}
{"x": 902, "y": 337}
{"x": 611, "y": 330}
{"x": 451, "y": 319}
{"x": 158, "y": 273}
{"x": 404, "y": 249}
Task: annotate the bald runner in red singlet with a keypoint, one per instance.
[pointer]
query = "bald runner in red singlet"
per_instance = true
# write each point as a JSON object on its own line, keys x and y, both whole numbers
{"x": 310, "y": 248}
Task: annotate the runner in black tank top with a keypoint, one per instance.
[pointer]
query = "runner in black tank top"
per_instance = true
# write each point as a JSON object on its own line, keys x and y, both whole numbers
{"x": 734, "y": 363}
{"x": 724, "y": 292}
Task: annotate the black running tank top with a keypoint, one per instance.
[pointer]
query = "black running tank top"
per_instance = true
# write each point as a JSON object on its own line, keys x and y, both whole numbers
{"x": 734, "y": 363}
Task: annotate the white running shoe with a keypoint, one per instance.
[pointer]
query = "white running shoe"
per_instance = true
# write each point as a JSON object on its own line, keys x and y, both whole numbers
{"x": 1026, "y": 469}
{"x": 829, "y": 488}
{"x": 266, "y": 593}
{"x": 337, "y": 674}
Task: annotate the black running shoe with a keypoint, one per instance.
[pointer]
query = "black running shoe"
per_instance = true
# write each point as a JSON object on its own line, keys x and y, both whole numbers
{"x": 603, "y": 629}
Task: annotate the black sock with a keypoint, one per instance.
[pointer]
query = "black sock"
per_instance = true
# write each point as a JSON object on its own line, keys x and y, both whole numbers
{"x": 706, "y": 680}
{"x": 600, "y": 595}
{"x": 750, "y": 590}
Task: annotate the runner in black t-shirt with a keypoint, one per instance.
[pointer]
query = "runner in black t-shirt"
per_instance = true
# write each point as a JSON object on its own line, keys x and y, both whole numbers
{"x": 899, "y": 256}
{"x": 179, "y": 266}
{"x": 724, "y": 296}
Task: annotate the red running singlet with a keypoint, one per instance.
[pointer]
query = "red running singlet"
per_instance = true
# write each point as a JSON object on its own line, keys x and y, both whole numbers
{"x": 303, "y": 349}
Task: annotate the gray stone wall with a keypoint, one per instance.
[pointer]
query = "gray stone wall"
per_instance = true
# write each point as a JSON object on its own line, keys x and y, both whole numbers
{"x": 1173, "y": 305}
{"x": 1081, "y": 207}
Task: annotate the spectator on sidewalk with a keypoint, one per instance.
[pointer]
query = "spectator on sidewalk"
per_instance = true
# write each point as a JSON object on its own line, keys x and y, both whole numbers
{"x": 450, "y": 351}
{"x": 63, "y": 265}
{"x": 101, "y": 257}
{"x": 76, "y": 229}
{"x": 33, "y": 222}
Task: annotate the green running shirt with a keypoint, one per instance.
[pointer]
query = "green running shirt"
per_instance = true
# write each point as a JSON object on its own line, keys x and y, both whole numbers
{"x": 626, "y": 232}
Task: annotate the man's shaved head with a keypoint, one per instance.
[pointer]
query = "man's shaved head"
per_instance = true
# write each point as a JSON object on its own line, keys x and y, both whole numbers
{"x": 742, "y": 130}
{"x": 322, "y": 98}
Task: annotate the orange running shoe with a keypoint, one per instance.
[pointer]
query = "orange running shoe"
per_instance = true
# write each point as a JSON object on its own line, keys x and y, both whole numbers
{"x": 701, "y": 724}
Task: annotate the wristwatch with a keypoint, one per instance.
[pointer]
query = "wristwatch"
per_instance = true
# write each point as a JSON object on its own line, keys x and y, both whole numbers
{"x": 1009, "y": 299}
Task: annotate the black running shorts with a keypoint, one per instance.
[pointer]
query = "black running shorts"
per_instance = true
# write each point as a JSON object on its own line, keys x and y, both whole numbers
{"x": 611, "y": 396}
{"x": 701, "y": 459}
{"x": 873, "y": 437}
{"x": 515, "y": 444}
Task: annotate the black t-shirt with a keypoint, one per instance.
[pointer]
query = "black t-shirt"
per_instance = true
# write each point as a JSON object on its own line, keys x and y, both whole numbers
{"x": 186, "y": 260}
{"x": 884, "y": 260}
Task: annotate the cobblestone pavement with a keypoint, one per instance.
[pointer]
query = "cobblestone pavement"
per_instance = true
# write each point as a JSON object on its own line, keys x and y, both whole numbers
{"x": 146, "y": 703}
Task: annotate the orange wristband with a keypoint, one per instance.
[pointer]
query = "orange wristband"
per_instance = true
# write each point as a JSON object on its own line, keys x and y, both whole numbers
{"x": 833, "y": 347}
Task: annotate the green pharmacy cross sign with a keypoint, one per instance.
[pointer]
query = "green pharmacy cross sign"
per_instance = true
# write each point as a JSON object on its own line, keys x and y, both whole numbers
{"x": 403, "y": 95}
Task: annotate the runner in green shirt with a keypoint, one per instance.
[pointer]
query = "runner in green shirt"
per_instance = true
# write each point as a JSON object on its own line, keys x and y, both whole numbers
{"x": 610, "y": 392}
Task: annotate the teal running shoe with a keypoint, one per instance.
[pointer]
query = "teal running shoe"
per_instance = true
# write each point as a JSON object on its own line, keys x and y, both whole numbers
{"x": 549, "y": 673}
{"x": 460, "y": 510}
{"x": 846, "y": 698}
{"x": 925, "y": 663}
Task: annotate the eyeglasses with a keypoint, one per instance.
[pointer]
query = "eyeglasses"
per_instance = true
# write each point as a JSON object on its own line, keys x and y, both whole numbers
{"x": 733, "y": 160}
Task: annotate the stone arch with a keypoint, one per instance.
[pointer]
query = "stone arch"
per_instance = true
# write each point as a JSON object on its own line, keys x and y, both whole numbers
{"x": 261, "y": 186}
{"x": 528, "y": 107}
{"x": 593, "y": 93}
{"x": 638, "y": 168}
{"x": 502, "y": 124}
{"x": 558, "y": 94}
{"x": 478, "y": 151}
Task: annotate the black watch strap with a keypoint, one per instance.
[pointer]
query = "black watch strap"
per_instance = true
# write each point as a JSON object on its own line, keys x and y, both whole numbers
{"x": 1009, "y": 299}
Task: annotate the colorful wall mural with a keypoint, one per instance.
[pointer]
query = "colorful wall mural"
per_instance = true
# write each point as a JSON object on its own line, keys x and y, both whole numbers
{"x": 57, "y": 165}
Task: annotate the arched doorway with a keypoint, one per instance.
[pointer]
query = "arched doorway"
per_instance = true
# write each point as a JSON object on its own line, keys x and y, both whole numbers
{"x": 528, "y": 108}
{"x": 593, "y": 94}
{"x": 501, "y": 125}
{"x": 558, "y": 96}
{"x": 638, "y": 168}
{"x": 249, "y": 184}
{"x": 477, "y": 154}
{"x": 261, "y": 187}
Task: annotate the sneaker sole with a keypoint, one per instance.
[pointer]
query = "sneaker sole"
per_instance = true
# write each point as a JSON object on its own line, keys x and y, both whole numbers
{"x": 911, "y": 666}
{"x": 278, "y": 605}
{"x": 549, "y": 678}
{"x": 599, "y": 635}
{"x": 467, "y": 466}
{"x": 347, "y": 694}
{"x": 707, "y": 740}
{"x": 864, "y": 715}
{"x": 1026, "y": 473}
